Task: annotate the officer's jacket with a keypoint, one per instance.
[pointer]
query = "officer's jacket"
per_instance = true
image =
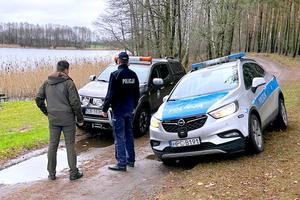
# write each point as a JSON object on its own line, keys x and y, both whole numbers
{"x": 123, "y": 91}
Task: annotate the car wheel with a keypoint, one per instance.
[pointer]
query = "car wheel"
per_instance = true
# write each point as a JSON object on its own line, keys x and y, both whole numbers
{"x": 281, "y": 121}
{"x": 256, "y": 141}
{"x": 142, "y": 122}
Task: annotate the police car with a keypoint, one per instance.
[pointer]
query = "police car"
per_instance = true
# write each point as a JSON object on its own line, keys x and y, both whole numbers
{"x": 157, "y": 77}
{"x": 221, "y": 106}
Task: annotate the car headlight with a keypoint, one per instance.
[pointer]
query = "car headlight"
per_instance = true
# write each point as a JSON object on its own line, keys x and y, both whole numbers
{"x": 224, "y": 110}
{"x": 85, "y": 101}
{"x": 97, "y": 102}
{"x": 155, "y": 122}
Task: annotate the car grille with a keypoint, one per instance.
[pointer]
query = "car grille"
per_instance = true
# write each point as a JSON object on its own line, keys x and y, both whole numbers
{"x": 190, "y": 123}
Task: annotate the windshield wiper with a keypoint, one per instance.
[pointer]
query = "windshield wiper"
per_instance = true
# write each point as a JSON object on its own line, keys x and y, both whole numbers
{"x": 102, "y": 80}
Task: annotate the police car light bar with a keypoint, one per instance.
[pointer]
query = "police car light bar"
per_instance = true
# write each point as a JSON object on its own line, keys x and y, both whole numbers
{"x": 216, "y": 61}
{"x": 140, "y": 59}
{"x": 136, "y": 59}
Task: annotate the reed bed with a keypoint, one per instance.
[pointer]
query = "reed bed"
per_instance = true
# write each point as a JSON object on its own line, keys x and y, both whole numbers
{"x": 22, "y": 82}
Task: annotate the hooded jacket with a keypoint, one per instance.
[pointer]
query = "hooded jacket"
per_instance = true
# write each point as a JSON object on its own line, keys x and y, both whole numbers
{"x": 63, "y": 104}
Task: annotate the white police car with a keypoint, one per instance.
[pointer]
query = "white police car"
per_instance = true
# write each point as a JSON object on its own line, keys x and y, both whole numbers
{"x": 221, "y": 106}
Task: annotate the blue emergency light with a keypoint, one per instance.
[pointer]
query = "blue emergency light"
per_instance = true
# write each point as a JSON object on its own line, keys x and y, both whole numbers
{"x": 216, "y": 61}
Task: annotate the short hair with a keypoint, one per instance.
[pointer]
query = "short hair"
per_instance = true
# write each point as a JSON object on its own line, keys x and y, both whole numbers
{"x": 123, "y": 62}
{"x": 62, "y": 66}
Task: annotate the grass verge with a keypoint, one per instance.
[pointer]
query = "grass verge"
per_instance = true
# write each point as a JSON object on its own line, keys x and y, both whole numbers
{"x": 22, "y": 128}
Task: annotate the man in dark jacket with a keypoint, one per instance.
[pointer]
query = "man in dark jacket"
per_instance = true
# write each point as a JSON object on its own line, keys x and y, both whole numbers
{"x": 123, "y": 95}
{"x": 63, "y": 109}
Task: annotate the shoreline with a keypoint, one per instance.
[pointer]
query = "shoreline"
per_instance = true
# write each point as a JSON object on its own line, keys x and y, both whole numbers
{"x": 6, "y": 46}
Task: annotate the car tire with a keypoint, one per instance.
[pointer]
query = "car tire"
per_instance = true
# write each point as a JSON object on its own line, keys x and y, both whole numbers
{"x": 142, "y": 122}
{"x": 281, "y": 121}
{"x": 255, "y": 139}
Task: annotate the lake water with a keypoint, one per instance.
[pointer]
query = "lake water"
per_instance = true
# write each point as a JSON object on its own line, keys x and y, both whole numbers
{"x": 24, "y": 58}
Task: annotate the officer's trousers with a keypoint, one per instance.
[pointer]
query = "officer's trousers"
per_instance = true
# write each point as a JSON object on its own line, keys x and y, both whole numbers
{"x": 124, "y": 142}
{"x": 69, "y": 134}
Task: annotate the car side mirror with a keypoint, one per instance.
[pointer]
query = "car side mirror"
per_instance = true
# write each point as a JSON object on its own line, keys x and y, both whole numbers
{"x": 158, "y": 82}
{"x": 165, "y": 98}
{"x": 92, "y": 77}
{"x": 256, "y": 82}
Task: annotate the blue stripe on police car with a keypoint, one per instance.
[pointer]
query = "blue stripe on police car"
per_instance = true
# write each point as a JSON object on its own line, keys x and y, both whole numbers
{"x": 192, "y": 106}
{"x": 266, "y": 93}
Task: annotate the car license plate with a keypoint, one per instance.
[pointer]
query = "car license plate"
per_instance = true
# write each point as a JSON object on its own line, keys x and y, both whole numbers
{"x": 185, "y": 142}
{"x": 93, "y": 112}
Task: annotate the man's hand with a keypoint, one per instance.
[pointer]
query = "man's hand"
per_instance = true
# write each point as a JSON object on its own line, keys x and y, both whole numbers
{"x": 104, "y": 114}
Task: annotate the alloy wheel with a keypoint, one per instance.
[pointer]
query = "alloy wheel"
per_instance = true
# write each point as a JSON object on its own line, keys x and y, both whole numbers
{"x": 143, "y": 121}
{"x": 283, "y": 113}
{"x": 257, "y": 133}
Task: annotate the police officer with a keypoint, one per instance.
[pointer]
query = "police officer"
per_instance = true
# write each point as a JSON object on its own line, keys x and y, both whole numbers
{"x": 63, "y": 109}
{"x": 123, "y": 95}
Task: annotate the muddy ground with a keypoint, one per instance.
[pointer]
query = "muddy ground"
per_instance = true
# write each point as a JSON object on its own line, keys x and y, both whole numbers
{"x": 147, "y": 180}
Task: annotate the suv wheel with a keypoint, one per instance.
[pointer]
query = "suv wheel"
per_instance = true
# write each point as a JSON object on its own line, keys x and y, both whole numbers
{"x": 256, "y": 141}
{"x": 281, "y": 121}
{"x": 141, "y": 122}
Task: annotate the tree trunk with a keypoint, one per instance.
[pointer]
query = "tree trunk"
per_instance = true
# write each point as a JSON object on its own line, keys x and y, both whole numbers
{"x": 179, "y": 31}
{"x": 259, "y": 27}
{"x": 209, "y": 45}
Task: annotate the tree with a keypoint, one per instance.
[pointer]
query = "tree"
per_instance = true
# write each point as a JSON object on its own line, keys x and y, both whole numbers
{"x": 29, "y": 35}
{"x": 202, "y": 29}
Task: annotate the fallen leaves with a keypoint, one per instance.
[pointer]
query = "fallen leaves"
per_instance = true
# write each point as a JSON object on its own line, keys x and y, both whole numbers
{"x": 210, "y": 185}
{"x": 200, "y": 183}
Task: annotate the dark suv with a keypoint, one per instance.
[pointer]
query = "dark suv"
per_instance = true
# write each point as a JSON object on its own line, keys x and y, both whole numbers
{"x": 157, "y": 77}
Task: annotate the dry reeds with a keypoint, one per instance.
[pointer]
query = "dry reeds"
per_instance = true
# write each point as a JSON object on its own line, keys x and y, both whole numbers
{"x": 23, "y": 82}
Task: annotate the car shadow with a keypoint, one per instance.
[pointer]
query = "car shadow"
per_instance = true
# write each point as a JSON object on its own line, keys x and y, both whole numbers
{"x": 189, "y": 163}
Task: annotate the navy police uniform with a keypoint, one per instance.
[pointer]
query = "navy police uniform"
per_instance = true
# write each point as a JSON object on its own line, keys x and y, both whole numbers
{"x": 123, "y": 95}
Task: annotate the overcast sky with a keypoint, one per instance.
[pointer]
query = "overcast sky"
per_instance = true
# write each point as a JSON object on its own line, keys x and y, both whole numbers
{"x": 64, "y": 12}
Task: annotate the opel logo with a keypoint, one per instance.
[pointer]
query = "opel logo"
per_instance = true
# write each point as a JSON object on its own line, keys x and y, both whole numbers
{"x": 181, "y": 122}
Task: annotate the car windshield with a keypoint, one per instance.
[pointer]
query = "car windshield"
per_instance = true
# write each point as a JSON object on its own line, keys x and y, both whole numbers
{"x": 142, "y": 71}
{"x": 206, "y": 81}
